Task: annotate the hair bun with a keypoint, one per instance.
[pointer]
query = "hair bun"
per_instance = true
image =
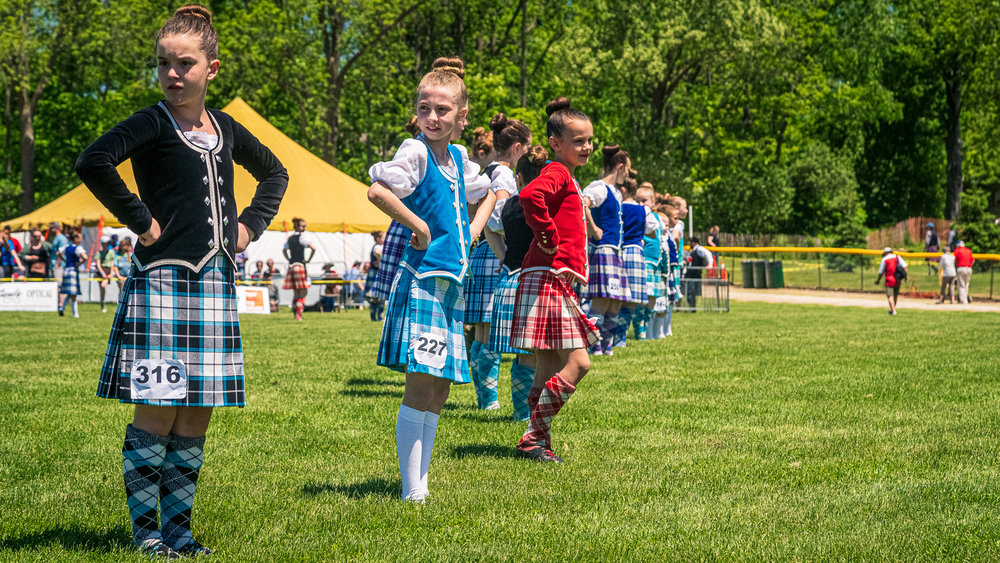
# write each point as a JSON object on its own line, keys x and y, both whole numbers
{"x": 498, "y": 122}
{"x": 412, "y": 127}
{"x": 557, "y": 104}
{"x": 537, "y": 155}
{"x": 611, "y": 150}
{"x": 449, "y": 64}
{"x": 194, "y": 10}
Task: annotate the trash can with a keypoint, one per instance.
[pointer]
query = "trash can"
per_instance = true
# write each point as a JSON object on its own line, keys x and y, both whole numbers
{"x": 747, "y": 272}
{"x": 773, "y": 269}
{"x": 779, "y": 273}
{"x": 760, "y": 274}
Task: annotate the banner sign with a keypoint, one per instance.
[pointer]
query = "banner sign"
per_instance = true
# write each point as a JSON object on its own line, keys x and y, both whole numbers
{"x": 252, "y": 300}
{"x": 29, "y": 296}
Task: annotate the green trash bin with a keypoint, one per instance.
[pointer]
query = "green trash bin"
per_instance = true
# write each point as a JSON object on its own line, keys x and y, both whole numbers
{"x": 779, "y": 274}
{"x": 747, "y": 271}
{"x": 774, "y": 274}
{"x": 760, "y": 274}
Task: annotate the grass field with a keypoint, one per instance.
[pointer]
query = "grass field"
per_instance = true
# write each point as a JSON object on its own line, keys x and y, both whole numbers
{"x": 773, "y": 432}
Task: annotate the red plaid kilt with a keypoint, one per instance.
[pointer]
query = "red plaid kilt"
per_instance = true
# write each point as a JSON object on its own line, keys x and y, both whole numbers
{"x": 547, "y": 315}
{"x": 297, "y": 277}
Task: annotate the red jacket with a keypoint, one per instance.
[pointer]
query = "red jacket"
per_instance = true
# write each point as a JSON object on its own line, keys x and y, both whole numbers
{"x": 963, "y": 257}
{"x": 553, "y": 209}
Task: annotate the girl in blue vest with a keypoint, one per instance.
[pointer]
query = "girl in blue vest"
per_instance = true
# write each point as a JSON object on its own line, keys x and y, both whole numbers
{"x": 511, "y": 140}
{"x": 607, "y": 287}
{"x": 645, "y": 196}
{"x": 637, "y": 222}
{"x": 72, "y": 256}
{"x": 424, "y": 188}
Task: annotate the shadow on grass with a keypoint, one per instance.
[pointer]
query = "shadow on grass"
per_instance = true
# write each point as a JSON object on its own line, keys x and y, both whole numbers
{"x": 369, "y": 488}
{"x": 371, "y": 393}
{"x": 479, "y": 415}
{"x": 483, "y": 450}
{"x": 371, "y": 381}
{"x": 72, "y": 539}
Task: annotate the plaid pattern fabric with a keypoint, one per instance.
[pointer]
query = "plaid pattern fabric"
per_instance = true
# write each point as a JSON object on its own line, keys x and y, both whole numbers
{"x": 502, "y": 314}
{"x": 396, "y": 238}
{"x": 297, "y": 278}
{"x": 143, "y": 454}
{"x": 555, "y": 394}
{"x": 417, "y": 307}
{"x": 370, "y": 280}
{"x": 654, "y": 280}
{"x": 70, "y": 282}
{"x": 635, "y": 270}
{"x": 607, "y": 276}
{"x": 173, "y": 313}
{"x": 178, "y": 483}
{"x": 547, "y": 315}
{"x": 481, "y": 283}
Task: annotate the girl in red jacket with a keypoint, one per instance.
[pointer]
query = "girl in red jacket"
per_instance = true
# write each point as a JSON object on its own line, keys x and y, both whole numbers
{"x": 547, "y": 315}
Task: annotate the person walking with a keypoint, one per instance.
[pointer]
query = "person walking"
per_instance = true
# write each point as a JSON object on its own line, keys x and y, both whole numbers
{"x": 893, "y": 268}
{"x": 963, "y": 270}
{"x": 948, "y": 273}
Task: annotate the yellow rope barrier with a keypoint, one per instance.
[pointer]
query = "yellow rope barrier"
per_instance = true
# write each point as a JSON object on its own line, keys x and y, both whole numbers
{"x": 830, "y": 250}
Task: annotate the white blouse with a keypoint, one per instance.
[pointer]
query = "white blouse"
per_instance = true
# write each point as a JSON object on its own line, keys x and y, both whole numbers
{"x": 503, "y": 179}
{"x": 597, "y": 191}
{"x": 404, "y": 172}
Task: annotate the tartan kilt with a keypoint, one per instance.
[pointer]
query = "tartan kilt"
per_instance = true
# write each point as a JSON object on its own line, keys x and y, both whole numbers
{"x": 547, "y": 315}
{"x": 654, "y": 280}
{"x": 297, "y": 277}
{"x": 502, "y": 313}
{"x": 70, "y": 282}
{"x": 607, "y": 276}
{"x": 481, "y": 283}
{"x": 396, "y": 239}
{"x": 418, "y": 309}
{"x": 634, "y": 264}
{"x": 173, "y": 313}
{"x": 370, "y": 280}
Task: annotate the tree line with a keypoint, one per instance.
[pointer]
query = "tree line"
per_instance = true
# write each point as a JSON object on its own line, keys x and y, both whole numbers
{"x": 817, "y": 117}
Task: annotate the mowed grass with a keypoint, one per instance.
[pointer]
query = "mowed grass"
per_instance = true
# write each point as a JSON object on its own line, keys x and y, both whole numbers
{"x": 774, "y": 432}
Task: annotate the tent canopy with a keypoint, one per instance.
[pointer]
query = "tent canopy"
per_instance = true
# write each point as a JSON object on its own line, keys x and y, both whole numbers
{"x": 325, "y": 197}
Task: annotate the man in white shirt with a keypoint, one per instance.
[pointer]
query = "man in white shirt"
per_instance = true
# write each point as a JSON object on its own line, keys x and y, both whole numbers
{"x": 948, "y": 274}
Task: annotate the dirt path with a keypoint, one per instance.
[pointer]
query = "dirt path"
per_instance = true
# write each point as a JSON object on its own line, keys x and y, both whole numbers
{"x": 846, "y": 299}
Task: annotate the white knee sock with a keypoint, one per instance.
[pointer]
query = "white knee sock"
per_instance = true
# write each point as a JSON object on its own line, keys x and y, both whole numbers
{"x": 409, "y": 433}
{"x": 426, "y": 447}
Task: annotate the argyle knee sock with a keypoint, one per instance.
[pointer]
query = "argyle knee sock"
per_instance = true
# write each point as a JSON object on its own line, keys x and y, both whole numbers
{"x": 300, "y": 306}
{"x": 533, "y": 396}
{"x": 177, "y": 487}
{"x": 621, "y": 327}
{"x": 521, "y": 377}
{"x": 426, "y": 448}
{"x": 598, "y": 320}
{"x": 476, "y": 370}
{"x": 143, "y": 454}
{"x": 555, "y": 394}
{"x": 373, "y": 311}
{"x": 490, "y": 364}
{"x": 409, "y": 434}
{"x": 640, "y": 321}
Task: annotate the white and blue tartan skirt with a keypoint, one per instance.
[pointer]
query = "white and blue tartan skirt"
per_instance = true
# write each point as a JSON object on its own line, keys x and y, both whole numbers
{"x": 423, "y": 331}
{"x": 173, "y": 313}
{"x": 481, "y": 283}
{"x": 634, "y": 263}
{"x": 396, "y": 238}
{"x": 502, "y": 314}
{"x": 70, "y": 282}
{"x": 607, "y": 275}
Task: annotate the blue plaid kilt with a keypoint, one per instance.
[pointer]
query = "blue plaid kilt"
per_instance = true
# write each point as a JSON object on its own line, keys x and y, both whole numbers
{"x": 397, "y": 237}
{"x": 173, "y": 313}
{"x": 423, "y": 330}
{"x": 634, "y": 264}
{"x": 502, "y": 314}
{"x": 481, "y": 283}
{"x": 654, "y": 280}
{"x": 607, "y": 275}
{"x": 70, "y": 282}
{"x": 370, "y": 280}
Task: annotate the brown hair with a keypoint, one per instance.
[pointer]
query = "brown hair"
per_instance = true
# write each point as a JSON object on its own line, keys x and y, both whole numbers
{"x": 193, "y": 19}
{"x": 411, "y": 126}
{"x": 675, "y": 201}
{"x": 630, "y": 186}
{"x": 613, "y": 156}
{"x": 482, "y": 141}
{"x": 448, "y": 72}
{"x": 506, "y": 132}
{"x": 559, "y": 112}
{"x": 530, "y": 165}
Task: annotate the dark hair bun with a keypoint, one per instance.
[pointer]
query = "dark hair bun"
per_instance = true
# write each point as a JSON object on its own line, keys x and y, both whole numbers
{"x": 411, "y": 126}
{"x": 537, "y": 155}
{"x": 611, "y": 150}
{"x": 498, "y": 122}
{"x": 557, "y": 104}
{"x": 196, "y": 10}
{"x": 449, "y": 64}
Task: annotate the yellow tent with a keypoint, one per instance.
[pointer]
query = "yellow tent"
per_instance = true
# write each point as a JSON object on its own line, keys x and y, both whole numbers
{"x": 328, "y": 199}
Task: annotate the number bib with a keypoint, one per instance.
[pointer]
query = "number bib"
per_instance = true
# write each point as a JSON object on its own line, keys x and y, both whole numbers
{"x": 158, "y": 379}
{"x": 430, "y": 349}
{"x": 660, "y": 305}
{"x": 615, "y": 285}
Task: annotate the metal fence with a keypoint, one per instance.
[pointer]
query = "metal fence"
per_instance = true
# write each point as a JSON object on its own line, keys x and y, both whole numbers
{"x": 704, "y": 289}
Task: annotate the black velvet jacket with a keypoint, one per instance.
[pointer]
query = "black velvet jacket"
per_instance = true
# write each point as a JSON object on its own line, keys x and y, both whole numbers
{"x": 187, "y": 189}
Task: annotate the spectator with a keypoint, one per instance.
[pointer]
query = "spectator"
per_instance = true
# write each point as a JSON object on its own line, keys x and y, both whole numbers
{"x": 947, "y": 275}
{"x": 713, "y": 237}
{"x": 700, "y": 259}
{"x": 14, "y": 242}
{"x": 893, "y": 267}
{"x": 952, "y": 238}
{"x": 272, "y": 290}
{"x": 963, "y": 270}
{"x": 106, "y": 267}
{"x": 10, "y": 262}
{"x": 58, "y": 241}
{"x": 123, "y": 261}
{"x": 931, "y": 244}
{"x": 355, "y": 289}
{"x": 36, "y": 256}
{"x": 258, "y": 274}
{"x": 331, "y": 291}
{"x": 241, "y": 265}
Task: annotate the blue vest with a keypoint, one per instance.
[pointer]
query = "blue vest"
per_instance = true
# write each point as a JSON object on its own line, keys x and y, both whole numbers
{"x": 72, "y": 260}
{"x": 633, "y": 224}
{"x": 440, "y": 202}
{"x": 608, "y": 217}
{"x": 651, "y": 248}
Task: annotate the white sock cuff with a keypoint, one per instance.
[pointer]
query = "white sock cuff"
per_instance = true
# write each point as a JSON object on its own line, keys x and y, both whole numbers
{"x": 411, "y": 415}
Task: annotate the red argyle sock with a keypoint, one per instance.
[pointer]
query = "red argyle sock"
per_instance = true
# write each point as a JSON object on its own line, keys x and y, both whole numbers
{"x": 557, "y": 391}
{"x": 533, "y": 396}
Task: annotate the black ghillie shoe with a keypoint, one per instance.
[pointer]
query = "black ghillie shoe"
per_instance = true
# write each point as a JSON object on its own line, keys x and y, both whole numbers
{"x": 193, "y": 549}
{"x": 539, "y": 453}
{"x": 156, "y": 549}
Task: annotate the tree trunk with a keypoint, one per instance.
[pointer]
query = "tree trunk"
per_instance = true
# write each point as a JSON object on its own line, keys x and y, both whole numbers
{"x": 953, "y": 144}
{"x": 524, "y": 55}
{"x": 27, "y": 157}
{"x": 9, "y": 165}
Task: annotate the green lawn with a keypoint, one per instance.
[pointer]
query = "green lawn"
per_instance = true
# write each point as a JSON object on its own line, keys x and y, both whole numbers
{"x": 774, "y": 432}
